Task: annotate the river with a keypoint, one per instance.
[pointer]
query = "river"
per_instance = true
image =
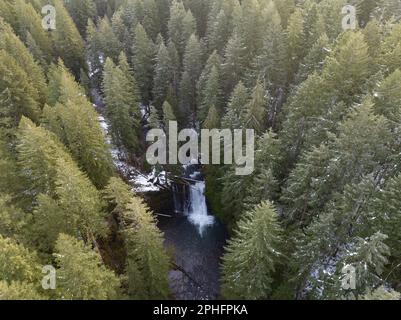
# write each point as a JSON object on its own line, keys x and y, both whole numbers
{"x": 194, "y": 236}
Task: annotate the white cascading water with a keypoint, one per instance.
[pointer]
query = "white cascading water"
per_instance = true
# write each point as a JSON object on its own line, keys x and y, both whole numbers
{"x": 196, "y": 209}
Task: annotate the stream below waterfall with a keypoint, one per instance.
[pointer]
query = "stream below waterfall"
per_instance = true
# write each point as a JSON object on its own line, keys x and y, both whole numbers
{"x": 195, "y": 237}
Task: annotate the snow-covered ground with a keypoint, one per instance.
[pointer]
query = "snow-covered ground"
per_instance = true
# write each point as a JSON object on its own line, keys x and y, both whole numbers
{"x": 140, "y": 182}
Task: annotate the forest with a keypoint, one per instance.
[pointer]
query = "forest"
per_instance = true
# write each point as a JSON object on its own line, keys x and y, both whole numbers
{"x": 84, "y": 216}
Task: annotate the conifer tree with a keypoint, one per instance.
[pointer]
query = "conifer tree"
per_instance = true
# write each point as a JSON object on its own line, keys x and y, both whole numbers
{"x": 256, "y": 109}
{"x": 234, "y": 63}
{"x": 18, "y": 96}
{"x": 75, "y": 122}
{"x": 180, "y": 26}
{"x": 252, "y": 255}
{"x": 296, "y": 42}
{"x": 67, "y": 40}
{"x": 212, "y": 120}
{"x": 143, "y": 62}
{"x": 236, "y": 111}
{"x": 17, "y": 262}
{"x": 211, "y": 95}
{"x": 80, "y": 12}
{"x": 191, "y": 74}
{"x": 163, "y": 76}
{"x": 19, "y": 291}
{"x": 122, "y": 102}
{"x": 81, "y": 274}
{"x": 146, "y": 259}
{"x": 168, "y": 115}
{"x": 15, "y": 48}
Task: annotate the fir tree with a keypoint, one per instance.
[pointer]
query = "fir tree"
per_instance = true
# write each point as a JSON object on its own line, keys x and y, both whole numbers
{"x": 163, "y": 76}
{"x": 122, "y": 101}
{"x": 191, "y": 74}
{"x": 81, "y": 274}
{"x": 67, "y": 40}
{"x": 143, "y": 57}
{"x": 252, "y": 255}
{"x": 146, "y": 259}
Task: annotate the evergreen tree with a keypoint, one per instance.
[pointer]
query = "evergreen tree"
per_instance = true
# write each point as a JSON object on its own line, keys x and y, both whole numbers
{"x": 252, "y": 255}
{"x": 234, "y": 117}
{"x": 211, "y": 95}
{"x": 191, "y": 74}
{"x": 19, "y": 291}
{"x": 80, "y": 12}
{"x": 212, "y": 120}
{"x": 163, "y": 76}
{"x": 256, "y": 109}
{"x": 74, "y": 120}
{"x": 180, "y": 26}
{"x": 17, "y": 262}
{"x": 81, "y": 274}
{"x": 296, "y": 41}
{"x": 67, "y": 40}
{"x": 146, "y": 259}
{"x": 143, "y": 61}
{"x": 122, "y": 101}
{"x": 168, "y": 115}
{"x": 12, "y": 45}
{"x": 234, "y": 63}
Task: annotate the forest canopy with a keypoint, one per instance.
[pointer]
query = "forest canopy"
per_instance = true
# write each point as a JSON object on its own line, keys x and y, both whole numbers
{"x": 324, "y": 102}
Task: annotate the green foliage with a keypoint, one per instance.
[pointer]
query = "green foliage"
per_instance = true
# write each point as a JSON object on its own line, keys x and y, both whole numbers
{"x": 122, "y": 99}
{"x": 81, "y": 274}
{"x": 147, "y": 263}
{"x": 143, "y": 57}
{"x": 252, "y": 255}
{"x": 74, "y": 120}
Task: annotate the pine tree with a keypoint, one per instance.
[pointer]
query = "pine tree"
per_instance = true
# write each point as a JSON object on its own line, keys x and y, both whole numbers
{"x": 209, "y": 86}
{"x": 75, "y": 122}
{"x": 143, "y": 58}
{"x": 180, "y": 26}
{"x": 18, "y": 97}
{"x": 27, "y": 24}
{"x": 146, "y": 259}
{"x": 19, "y": 291}
{"x": 12, "y": 218}
{"x": 211, "y": 95}
{"x": 252, "y": 255}
{"x": 81, "y": 274}
{"x": 191, "y": 74}
{"x": 122, "y": 101}
{"x": 296, "y": 40}
{"x": 234, "y": 65}
{"x": 15, "y": 48}
{"x": 212, "y": 121}
{"x": 234, "y": 117}
{"x": 67, "y": 40}
{"x": 163, "y": 76}
{"x": 17, "y": 263}
{"x": 80, "y": 12}
{"x": 168, "y": 115}
{"x": 388, "y": 96}
{"x": 256, "y": 109}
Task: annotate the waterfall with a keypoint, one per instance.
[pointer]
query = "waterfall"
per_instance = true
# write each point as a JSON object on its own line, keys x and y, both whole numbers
{"x": 196, "y": 208}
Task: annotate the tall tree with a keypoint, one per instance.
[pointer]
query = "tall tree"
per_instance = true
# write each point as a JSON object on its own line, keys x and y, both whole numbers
{"x": 147, "y": 262}
{"x": 81, "y": 274}
{"x": 122, "y": 106}
{"x": 252, "y": 255}
{"x": 143, "y": 61}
